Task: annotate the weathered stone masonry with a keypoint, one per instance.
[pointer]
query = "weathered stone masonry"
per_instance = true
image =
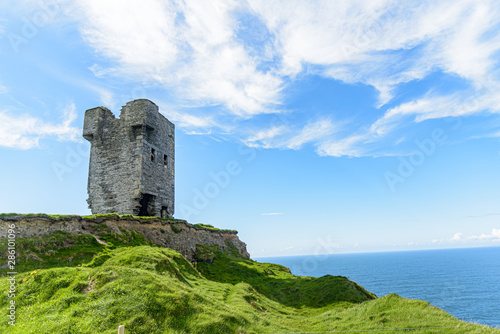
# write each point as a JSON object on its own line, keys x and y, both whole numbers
{"x": 132, "y": 161}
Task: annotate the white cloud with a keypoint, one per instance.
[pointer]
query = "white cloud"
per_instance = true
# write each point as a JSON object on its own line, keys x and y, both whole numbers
{"x": 107, "y": 98}
{"x": 272, "y": 214}
{"x": 494, "y": 235}
{"x": 25, "y": 131}
{"x": 207, "y": 53}
{"x": 265, "y": 138}
{"x": 3, "y": 89}
{"x": 385, "y": 45}
{"x": 186, "y": 46}
{"x": 98, "y": 71}
{"x": 459, "y": 237}
{"x": 349, "y": 146}
{"x": 454, "y": 105}
{"x": 287, "y": 136}
{"x": 185, "y": 120}
{"x": 468, "y": 51}
{"x": 310, "y": 133}
{"x": 375, "y": 42}
{"x": 133, "y": 33}
{"x": 392, "y": 117}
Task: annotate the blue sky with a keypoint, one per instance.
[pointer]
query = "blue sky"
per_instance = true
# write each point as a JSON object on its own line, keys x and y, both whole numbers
{"x": 310, "y": 127}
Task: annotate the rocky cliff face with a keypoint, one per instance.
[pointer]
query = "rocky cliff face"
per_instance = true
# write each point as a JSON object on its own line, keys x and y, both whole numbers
{"x": 171, "y": 233}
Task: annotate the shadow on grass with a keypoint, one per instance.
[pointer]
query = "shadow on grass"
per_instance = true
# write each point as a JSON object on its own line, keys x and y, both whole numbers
{"x": 277, "y": 283}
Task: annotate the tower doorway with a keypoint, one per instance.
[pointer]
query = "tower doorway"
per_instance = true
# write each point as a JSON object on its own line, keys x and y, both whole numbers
{"x": 147, "y": 205}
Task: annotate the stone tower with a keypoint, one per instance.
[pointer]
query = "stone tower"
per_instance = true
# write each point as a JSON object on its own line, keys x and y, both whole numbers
{"x": 131, "y": 160}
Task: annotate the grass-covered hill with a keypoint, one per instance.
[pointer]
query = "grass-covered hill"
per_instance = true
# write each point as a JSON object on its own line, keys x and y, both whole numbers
{"x": 74, "y": 284}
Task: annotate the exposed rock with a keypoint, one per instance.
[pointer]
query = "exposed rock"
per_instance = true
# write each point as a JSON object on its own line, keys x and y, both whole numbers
{"x": 172, "y": 233}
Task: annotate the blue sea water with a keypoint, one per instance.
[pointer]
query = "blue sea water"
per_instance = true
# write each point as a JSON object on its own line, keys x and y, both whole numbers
{"x": 463, "y": 282}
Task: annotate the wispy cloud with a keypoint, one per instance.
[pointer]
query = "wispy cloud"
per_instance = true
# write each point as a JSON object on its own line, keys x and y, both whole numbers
{"x": 210, "y": 55}
{"x": 189, "y": 47}
{"x": 264, "y": 138}
{"x": 292, "y": 137}
{"x": 312, "y": 132}
{"x": 272, "y": 214}
{"x": 348, "y": 146}
{"x": 25, "y": 131}
{"x": 186, "y": 120}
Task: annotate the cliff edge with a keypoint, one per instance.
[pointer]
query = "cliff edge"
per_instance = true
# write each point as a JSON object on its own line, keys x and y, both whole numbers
{"x": 166, "y": 232}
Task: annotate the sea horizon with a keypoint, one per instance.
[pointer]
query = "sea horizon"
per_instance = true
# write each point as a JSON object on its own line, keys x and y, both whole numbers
{"x": 461, "y": 281}
{"x": 372, "y": 252}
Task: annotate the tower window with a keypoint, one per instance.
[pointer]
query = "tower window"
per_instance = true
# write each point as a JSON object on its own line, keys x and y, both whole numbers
{"x": 152, "y": 158}
{"x": 165, "y": 160}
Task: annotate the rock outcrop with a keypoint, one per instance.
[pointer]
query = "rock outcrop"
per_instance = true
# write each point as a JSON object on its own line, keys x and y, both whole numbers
{"x": 172, "y": 233}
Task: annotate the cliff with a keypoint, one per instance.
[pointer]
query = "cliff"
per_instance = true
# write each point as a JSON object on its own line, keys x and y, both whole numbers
{"x": 91, "y": 274}
{"x": 70, "y": 283}
{"x": 172, "y": 233}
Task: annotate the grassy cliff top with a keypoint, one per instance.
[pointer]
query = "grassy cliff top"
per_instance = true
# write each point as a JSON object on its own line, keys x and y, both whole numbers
{"x": 73, "y": 284}
{"x": 111, "y": 216}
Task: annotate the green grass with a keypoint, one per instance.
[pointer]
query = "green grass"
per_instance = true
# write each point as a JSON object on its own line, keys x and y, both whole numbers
{"x": 60, "y": 249}
{"x": 3, "y": 215}
{"x": 277, "y": 283}
{"x": 210, "y": 227}
{"x": 108, "y": 215}
{"x": 176, "y": 229}
{"x": 156, "y": 290}
{"x": 99, "y": 217}
{"x": 105, "y": 215}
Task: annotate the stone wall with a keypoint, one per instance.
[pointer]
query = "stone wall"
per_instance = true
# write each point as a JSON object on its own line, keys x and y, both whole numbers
{"x": 171, "y": 233}
{"x": 132, "y": 162}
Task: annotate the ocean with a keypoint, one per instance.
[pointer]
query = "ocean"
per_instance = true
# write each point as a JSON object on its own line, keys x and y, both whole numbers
{"x": 463, "y": 282}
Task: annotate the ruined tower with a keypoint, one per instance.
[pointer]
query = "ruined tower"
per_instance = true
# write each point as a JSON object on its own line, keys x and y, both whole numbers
{"x": 131, "y": 160}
